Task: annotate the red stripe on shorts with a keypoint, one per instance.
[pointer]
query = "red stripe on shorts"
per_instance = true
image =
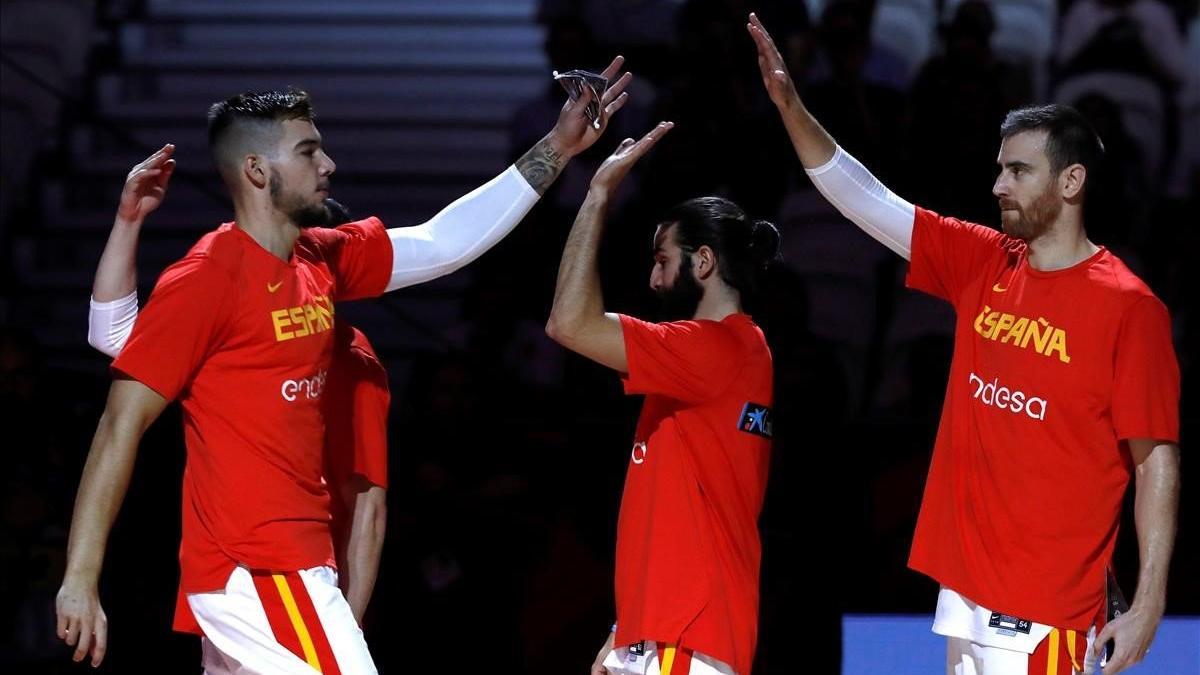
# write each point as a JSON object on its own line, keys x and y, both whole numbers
{"x": 1053, "y": 654}
{"x": 277, "y": 616}
{"x": 316, "y": 631}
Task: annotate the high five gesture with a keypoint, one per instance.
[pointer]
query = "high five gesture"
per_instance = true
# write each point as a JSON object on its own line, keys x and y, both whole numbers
{"x": 812, "y": 143}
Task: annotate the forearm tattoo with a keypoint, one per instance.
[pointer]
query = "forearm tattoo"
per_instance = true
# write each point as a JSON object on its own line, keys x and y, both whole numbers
{"x": 541, "y": 165}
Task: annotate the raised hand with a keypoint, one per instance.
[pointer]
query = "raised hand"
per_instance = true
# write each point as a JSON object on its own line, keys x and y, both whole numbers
{"x": 617, "y": 166}
{"x": 574, "y": 132}
{"x": 146, "y": 186}
{"x": 770, "y": 64}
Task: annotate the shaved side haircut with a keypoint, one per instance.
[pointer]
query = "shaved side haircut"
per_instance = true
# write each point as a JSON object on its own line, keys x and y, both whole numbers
{"x": 250, "y": 123}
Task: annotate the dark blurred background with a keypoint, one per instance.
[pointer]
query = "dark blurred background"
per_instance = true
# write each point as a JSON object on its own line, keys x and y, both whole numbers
{"x": 507, "y": 454}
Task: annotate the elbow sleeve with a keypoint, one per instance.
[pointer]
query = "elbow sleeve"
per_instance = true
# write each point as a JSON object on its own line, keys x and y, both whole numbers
{"x": 461, "y": 232}
{"x": 859, "y": 196}
{"x": 110, "y": 323}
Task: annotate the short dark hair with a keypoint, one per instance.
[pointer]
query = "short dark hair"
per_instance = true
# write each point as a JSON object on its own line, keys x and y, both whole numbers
{"x": 249, "y": 121}
{"x": 1070, "y": 138}
{"x": 745, "y": 248}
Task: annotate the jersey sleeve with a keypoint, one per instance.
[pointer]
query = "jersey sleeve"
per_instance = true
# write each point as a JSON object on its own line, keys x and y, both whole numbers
{"x": 359, "y": 255}
{"x": 948, "y": 253}
{"x": 371, "y": 402}
{"x": 181, "y": 324}
{"x": 690, "y": 361}
{"x": 356, "y": 415}
{"x": 1146, "y": 375}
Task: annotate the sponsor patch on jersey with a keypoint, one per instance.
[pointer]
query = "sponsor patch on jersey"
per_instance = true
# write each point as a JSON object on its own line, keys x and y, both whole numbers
{"x": 755, "y": 419}
{"x": 1009, "y": 625}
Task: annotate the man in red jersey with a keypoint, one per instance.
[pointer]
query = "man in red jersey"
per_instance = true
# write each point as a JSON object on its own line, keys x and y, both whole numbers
{"x": 1063, "y": 385}
{"x": 688, "y": 549}
{"x": 355, "y": 407}
{"x": 240, "y": 331}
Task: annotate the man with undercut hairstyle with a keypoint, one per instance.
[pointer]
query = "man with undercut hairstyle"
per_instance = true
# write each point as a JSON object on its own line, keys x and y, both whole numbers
{"x": 1063, "y": 386}
{"x": 240, "y": 331}
{"x": 355, "y": 406}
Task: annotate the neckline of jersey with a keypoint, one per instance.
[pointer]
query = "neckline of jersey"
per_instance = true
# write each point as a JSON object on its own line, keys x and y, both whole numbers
{"x": 246, "y": 238}
{"x": 1081, "y": 265}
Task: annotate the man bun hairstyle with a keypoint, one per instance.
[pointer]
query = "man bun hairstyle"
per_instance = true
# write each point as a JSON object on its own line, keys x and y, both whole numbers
{"x": 249, "y": 123}
{"x": 1070, "y": 138}
{"x": 764, "y": 244}
{"x": 745, "y": 248}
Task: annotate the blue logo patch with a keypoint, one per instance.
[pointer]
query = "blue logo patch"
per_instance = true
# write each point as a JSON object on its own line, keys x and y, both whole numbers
{"x": 755, "y": 419}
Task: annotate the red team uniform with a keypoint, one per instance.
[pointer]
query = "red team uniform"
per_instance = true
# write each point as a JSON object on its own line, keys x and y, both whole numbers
{"x": 356, "y": 408}
{"x": 688, "y": 549}
{"x": 1051, "y": 372}
{"x": 244, "y": 340}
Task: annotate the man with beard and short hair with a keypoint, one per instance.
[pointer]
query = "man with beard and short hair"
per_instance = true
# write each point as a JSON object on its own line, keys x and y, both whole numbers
{"x": 240, "y": 330}
{"x": 355, "y": 405}
{"x": 1063, "y": 385}
{"x": 688, "y": 550}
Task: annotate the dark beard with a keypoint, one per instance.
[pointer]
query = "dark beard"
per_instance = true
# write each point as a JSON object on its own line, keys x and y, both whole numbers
{"x": 681, "y": 299}
{"x": 311, "y": 216}
{"x": 1042, "y": 212}
{"x": 302, "y": 215}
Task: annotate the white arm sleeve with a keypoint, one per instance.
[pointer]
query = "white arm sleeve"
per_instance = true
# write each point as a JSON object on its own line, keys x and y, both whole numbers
{"x": 860, "y": 196}
{"x": 461, "y": 232}
{"x": 110, "y": 323}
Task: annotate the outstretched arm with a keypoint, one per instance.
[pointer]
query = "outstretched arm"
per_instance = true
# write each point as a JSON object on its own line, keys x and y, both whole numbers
{"x": 471, "y": 225}
{"x": 814, "y": 146}
{"x": 114, "y": 290}
{"x": 1156, "y": 510}
{"x": 131, "y": 407}
{"x": 577, "y": 319}
{"x": 846, "y": 183}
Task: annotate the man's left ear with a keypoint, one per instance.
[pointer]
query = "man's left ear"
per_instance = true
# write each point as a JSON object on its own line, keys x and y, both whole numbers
{"x": 704, "y": 262}
{"x": 1071, "y": 181}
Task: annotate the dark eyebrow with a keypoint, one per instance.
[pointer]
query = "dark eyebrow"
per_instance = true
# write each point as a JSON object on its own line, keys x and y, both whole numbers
{"x": 1016, "y": 165}
{"x": 309, "y": 141}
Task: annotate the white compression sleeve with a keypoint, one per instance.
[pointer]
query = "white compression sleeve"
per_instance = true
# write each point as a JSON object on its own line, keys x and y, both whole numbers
{"x": 110, "y": 323}
{"x": 461, "y": 232}
{"x": 859, "y": 196}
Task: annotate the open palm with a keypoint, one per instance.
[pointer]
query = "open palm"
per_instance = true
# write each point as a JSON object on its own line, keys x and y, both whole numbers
{"x": 617, "y": 166}
{"x": 774, "y": 72}
{"x": 146, "y": 185}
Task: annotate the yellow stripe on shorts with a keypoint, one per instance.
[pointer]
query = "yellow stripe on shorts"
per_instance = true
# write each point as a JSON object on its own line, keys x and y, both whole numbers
{"x": 289, "y": 602}
{"x": 1071, "y": 638}
{"x": 666, "y": 660}
{"x": 1052, "y": 658}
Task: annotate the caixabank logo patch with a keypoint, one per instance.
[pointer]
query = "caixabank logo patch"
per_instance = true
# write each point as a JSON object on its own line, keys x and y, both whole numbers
{"x": 755, "y": 419}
